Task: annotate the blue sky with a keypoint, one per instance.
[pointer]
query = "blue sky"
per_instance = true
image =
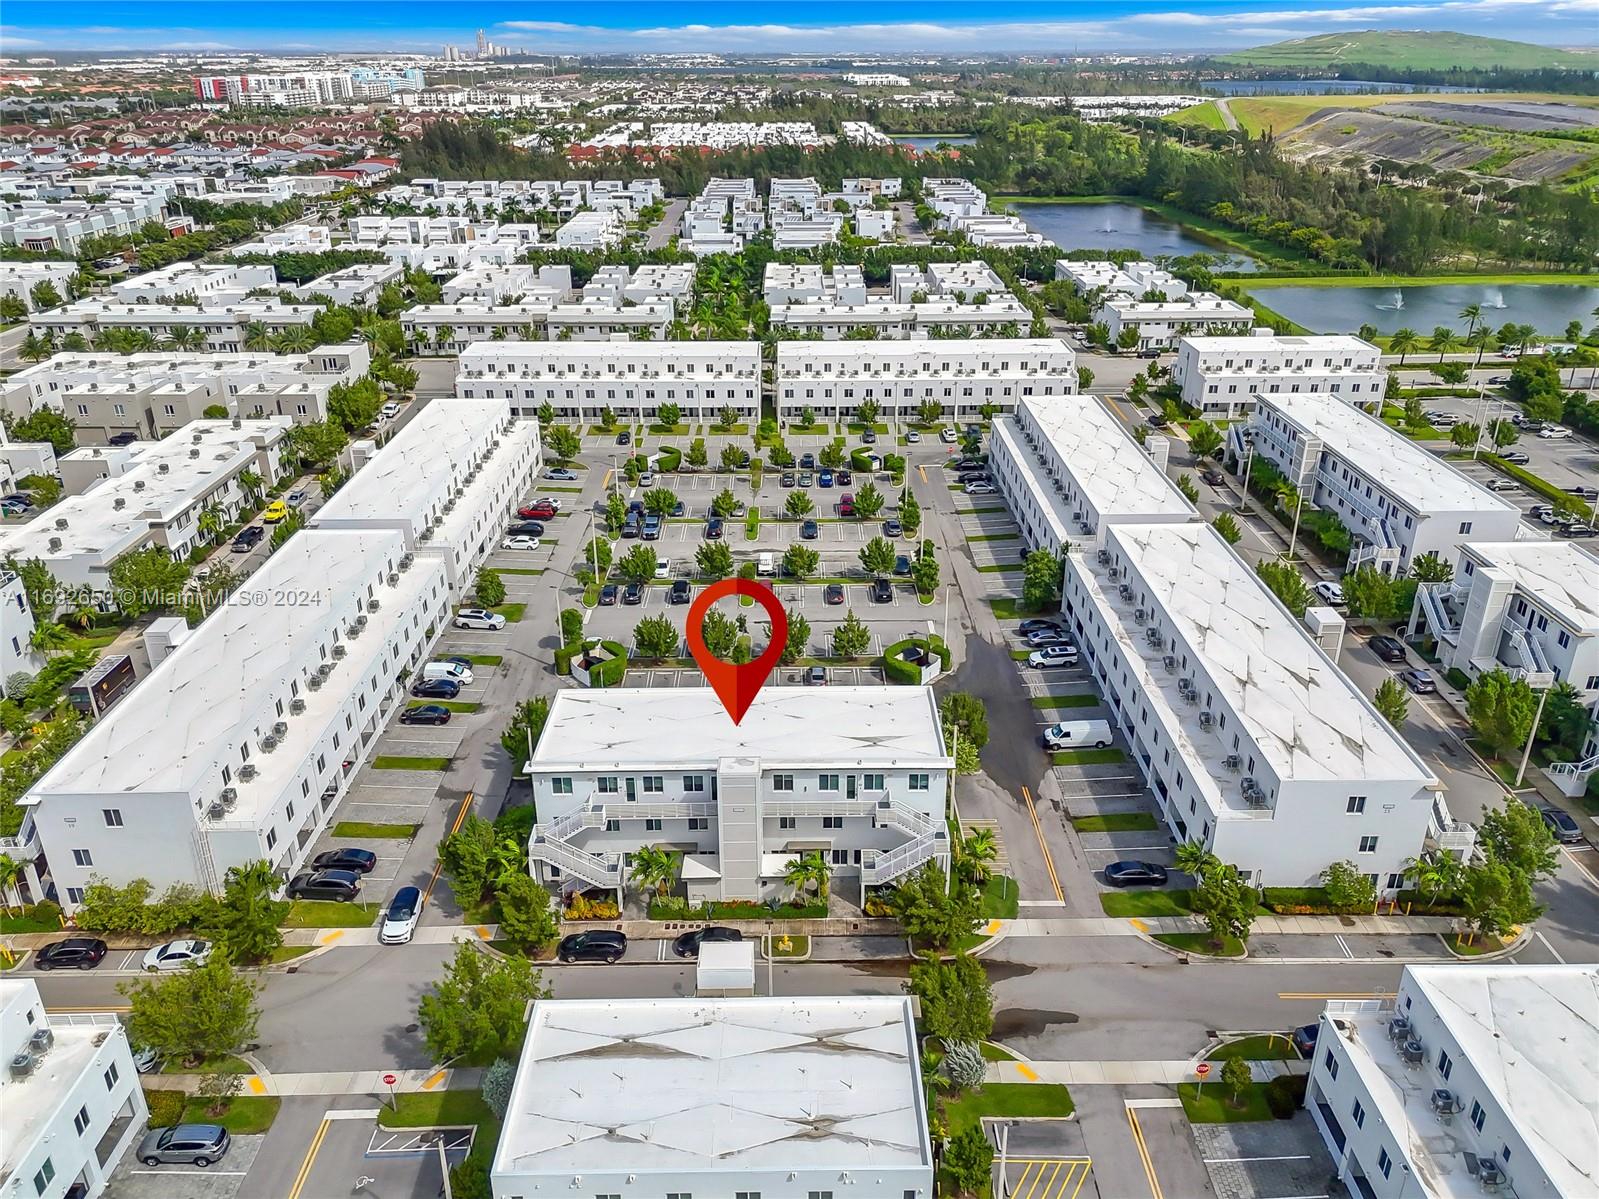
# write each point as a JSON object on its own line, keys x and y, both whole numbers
{"x": 1037, "y": 26}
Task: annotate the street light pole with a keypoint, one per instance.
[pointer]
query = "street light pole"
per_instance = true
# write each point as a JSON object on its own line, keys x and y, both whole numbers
{"x": 1526, "y": 750}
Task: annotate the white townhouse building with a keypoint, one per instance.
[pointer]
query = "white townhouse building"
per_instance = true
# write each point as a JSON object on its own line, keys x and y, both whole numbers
{"x": 305, "y": 239}
{"x": 581, "y": 379}
{"x": 786, "y": 283}
{"x": 1001, "y": 231}
{"x": 601, "y": 230}
{"x": 237, "y": 746}
{"x": 954, "y": 197}
{"x": 447, "y": 482}
{"x": 962, "y": 282}
{"x": 859, "y": 774}
{"x": 1219, "y": 376}
{"x": 1527, "y": 607}
{"x": 1255, "y": 745}
{"x": 20, "y": 278}
{"x": 781, "y": 1096}
{"x": 491, "y": 283}
{"x": 71, "y": 1097}
{"x": 359, "y": 284}
{"x": 1068, "y": 469}
{"x": 460, "y": 325}
{"x": 153, "y": 395}
{"x": 1397, "y": 499}
{"x": 18, "y": 459}
{"x": 225, "y": 327}
{"x": 996, "y": 317}
{"x": 960, "y": 375}
{"x": 43, "y": 226}
{"x": 211, "y": 283}
{"x": 16, "y": 630}
{"x": 1473, "y": 1079}
{"x": 1160, "y": 323}
{"x": 126, "y": 498}
{"x": 1131, "y": 280}
{"x": 615, "y": 284}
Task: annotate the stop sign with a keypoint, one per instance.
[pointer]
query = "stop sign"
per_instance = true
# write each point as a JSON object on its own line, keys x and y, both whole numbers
{"x": 390, "y": 1079}
{"x": 1202, "y": 1069}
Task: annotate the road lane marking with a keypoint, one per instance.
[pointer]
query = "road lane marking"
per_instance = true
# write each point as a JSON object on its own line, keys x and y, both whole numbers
{"x": 1026, "y": 1072}
{"x": 310, "y": 1158}
{"x": 438, "y": 865}
{"x": 434, "y": 1080}
{"x": 1143, "y": 1154}
{"x": 1038, "y": 830}
{"x": 1335, "y": 994}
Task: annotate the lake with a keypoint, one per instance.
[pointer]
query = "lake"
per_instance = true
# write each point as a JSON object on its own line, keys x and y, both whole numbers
{"x": 923, "y": 144}
{"x": 1315, "y": 87}
{"x": 1122, "y": 227}
{"x": 1547, "y": 307}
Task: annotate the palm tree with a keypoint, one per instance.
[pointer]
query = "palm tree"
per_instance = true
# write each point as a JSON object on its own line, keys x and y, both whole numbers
{"x": 49, "y": 638}
{"x": 75, "y": 343}
{"x": 185, "y": 337}
{"x": 653, "y": 867}
{"x": 1435, "y": 874}
{"x": 1404, "y": 341}
{"x": 1195, "y": 860}
{"x": 1443, "y": 340}
{"x": 1471, "y": 314}
{"x": 34, "y": 348}
{"x": 298, "y": 340}
{"x": 251, "y": 482}
{"x": 83, "y": 613}
{"x": 256, "y": 337}
{"x": 977, "y": 854}
{"x": 140, "y": 341}
{"x": 11, "y": 873}
{"x": 442, "y": 336}
{"x": 210, "y": 522}
{"x": 1480, "y": 339}
{"x": 806, "y": 869}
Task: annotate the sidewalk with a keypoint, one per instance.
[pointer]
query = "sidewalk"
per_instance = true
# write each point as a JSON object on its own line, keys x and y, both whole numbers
{"x": 336, "y": 1082}
{"x": 1124, "y": 1074}
{"x": 1116, "y": 926}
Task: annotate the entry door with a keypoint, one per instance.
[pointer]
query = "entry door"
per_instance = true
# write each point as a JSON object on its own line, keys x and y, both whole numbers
{"x": 849, "y": 786}
{"x": 632, "y": 790}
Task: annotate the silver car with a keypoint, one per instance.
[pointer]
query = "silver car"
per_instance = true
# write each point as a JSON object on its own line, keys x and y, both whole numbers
{"x": 185, "y": 1145}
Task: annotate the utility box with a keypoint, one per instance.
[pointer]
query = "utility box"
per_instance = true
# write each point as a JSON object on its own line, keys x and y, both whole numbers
{"x": 1327, "y": 627}
{"x": 163, "y": 636}
{"x": 725, "y": 969}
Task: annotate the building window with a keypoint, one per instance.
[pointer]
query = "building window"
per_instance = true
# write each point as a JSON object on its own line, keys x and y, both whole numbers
{"x": 113, "y": 817}
{"x": 1465, "y": 527}
{"x": 1478, "y": 1116}
{"x": 111, "y": 1076}
{"x": 81, "y": 1120}
{"x": 613, "y": 826}
{"x": 698, "y": 824}
{"x": 832, "y": 822}
{"x": 74, "y": 894}
{"x": 82, "y": 857}
{"x": 827, "y": 782}
{"x": 1332, "y": 1065}
{"x": 782, "y": 782}
{"x": 785, "y": 822}
{"x": 272, "y": 839}
{"x": 1355, "y": 806}
{"x": 654, "y": 784}
{"x": 1384, "y": 1162}
{"x": 678, "y": 1195}
{"x": 746, "y": 1195}
{"x": 872, "y": 782}
{"x": 694, "y": 783}
{"x": 1368, "y": 845}
{"x": 608, "y": 786}
{"x": 652, "y": 825}
{"x": 1358, "y": 1113}
{"x": 560, "y": 786}
{"x": 919, "y": 782}
{"x": 819, "y": 1195}
{"x": 41, "y": 1179}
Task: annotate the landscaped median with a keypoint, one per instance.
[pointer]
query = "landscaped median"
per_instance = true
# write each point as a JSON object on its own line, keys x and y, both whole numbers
{"x": 403, "y": 762}
{"x": 330, "y": 913}
{"x": 371, "y": 831}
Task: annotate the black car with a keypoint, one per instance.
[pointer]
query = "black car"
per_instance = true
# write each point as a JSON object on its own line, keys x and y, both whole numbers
{"x": 425, "y": 714}
{"x": 787, "y": 479}
{"x": 688, "y": 945}
{"x": 681, "y": 592}
{"x": 1039, "y": 626}
{"x": 436, "y": 689}
{"x": 633, "y": 593}
{"x": 525, "y": 528}
{"x": 713, "y": 528}
{"x": 325, "y": 884}
{"x": 1304, "y": 1039}
{"x": 967, "y": 463}
{"x": 679, "y": 509}
{"x": 82, "y": 953}
{"x": 1212, "y": 476}
{"x": 608, "y": 595}
{"x": 882, "y": 591}
{"x": 122, "y": 438}
{"x": 601, "y": 945}
{"x": 624, "y": 438}
{"x": 1388, "y": 649}
{"x": 249, "y": 537}
{"x": 1561, "y": 825}
{"x": 807, "y": 461}
{"x": 1135, "y": 874}
{"x": 1157, "y": 420}
{"x": 360, "y": 861}
{"x": 810, "y": 530}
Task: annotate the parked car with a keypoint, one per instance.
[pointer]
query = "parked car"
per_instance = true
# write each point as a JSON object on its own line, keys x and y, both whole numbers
{"x": 14, "y": 507}
{"x": 1388, "y": 649}
{"x": 1331, "y": 592}
{"x": 892, "y": 528}
{"x": 358, "y": 861}
{"x": 608, "y": 595}
{"x": 1554, "y": 433}
{"x": 833, "y": 594}
{"x": 1515, "y": 457}
{"x": 1500, "y": 483}
{"x": 1135, "y": 874}
{"x": 389, "y": 410}
{"x": 1419, "y": 681}
{"x": 787, "y": 478}
{"x": 560, "y": 474}
{"x": 981, "y": 487}
{"x": 479, "y": 618}
{"x": 520, "y": 542}
{"x": 633, "y": 593}
{"x": 1043, "y": 638}
{"x": 426, "y": 714}
{"x": 678, "y": 509}
{"x": 652, "y": 528}
{"x": 869, "y": 437}
{"x": 248, "y": 538}
{"x": 1157, "y": 420}
{"x": 630, "y": 527}
{"x": 805, "y": 478}
{"x": 824, "y": 478}
{"x": 687, "y": 945}
{"x": 436, "y": 689}
{"x": 295, "y": 498}
{"x": 1304, "y": 1039}
{"x": 1564, "y": 828}
{"x": 816, "y": 676}
{"x": 145, "y": 1059}
{"x": 624, "y": 438}
{"x": 1038, "y": 625}
{"x": 680, "y": 592}
{"x": 807, "y": 461}
{"x": 810, "y": 530}
{"x": 948, "y": 436}
{"x": 1583, "y": 492}
{"x": 122, "y": 439}
{"x": 1213, "y": 476}
{"x": 1053, "y": 655}
{"x": 912, "y": 437}
{"x": 81, "y": 953}
{"x": 175, "y": 955}
{"x": 843, "y": 478}
{"x": 526, "y": 528}
{"x": 846, "y": 506}
{"x": 341, "y": 885}
{"x": 184, "y": 1145}
{"x": 1578, "y": 528}
{"x": 600, "y": 945}
{"x": 275, "y": 511}
{"x": 713, "y": 528}
{"x": 537, "y": 511}
{"x": 399, "y": 921}
{"x": 902, "y": 565}
{"x": 882, "y": 591}
{"x": 646, "y": 478}
{"x": 967, "y": 463}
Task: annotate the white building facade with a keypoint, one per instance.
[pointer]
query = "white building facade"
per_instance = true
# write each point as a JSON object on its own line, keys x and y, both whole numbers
{"x": 224, "y": 328}
{"x": 1219, "y": 376}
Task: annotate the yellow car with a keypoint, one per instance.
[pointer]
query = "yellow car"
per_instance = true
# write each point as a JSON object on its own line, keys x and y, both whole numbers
{"x": 275, "y": 511}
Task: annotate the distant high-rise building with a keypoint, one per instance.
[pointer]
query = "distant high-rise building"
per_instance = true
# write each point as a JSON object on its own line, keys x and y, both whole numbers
{"x": 482, "y": 45}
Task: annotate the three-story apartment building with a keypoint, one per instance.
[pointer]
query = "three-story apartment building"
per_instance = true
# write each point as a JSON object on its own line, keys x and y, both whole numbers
{"x": 1220, "y": 375}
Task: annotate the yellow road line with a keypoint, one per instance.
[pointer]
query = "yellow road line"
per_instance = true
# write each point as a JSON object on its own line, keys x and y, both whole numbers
{"x": 1049, "y": 1186}
{"x": 1138, "y": 924}
{"x": 1038, "y": 830}
{"x": 328, "y": 938}
{"x": 922, "y": 470}
{"x": 310, "y": 1157}
{"x": 1037, "y": 1178}
{"x": 460, "y": 817}
{"x": 1335, "y": 994}
{"x": 606, "y": 482}
{"x": 1087, "y": 1169}
{"x": 1143, "y": 1154}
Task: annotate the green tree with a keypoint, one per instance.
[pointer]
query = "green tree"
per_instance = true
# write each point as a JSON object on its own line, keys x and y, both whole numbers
{"x": 194, "y": 1015}
{"x": 655, "y": 637}
{"x": 13, "y": 308}
{"x": 798, "y": 505}
{"x": 910, "y": 511}
{"x": 1085, "y": 380}
{"x": 1501, "y": 710}
{"x": 638, "y": 564}
{"x": 1565, "y": 719}
{"x": 478, "y": 1009}
{"x": 1127, "y": 339}
{"x": 798, "y": 641}
{"x": 489, "y": 588}
{"x": 146, "y": 581}
{"x": 659, "y": 501}
{"x": 1465, "y": 435}
{"x": 929, "y": 411}
{"x": 1444, "y": 340}
{"x": 832, "y": 456}
{"x": 697, "y": 458}
{"x": 968, "y": 713}
{"x": 933, "y": 909}
{"x": 248, "y": 918}
{"x": 1392, "y": 701}
{"x": 714, "y": 559}
{"x": 877, "y": 556}
{"x": 924, "y": 574}
{"x": 724, "y": 503}
{"x": 957, "y": 1000}
{"x": 720, "y": 635}
{"x": 1435, "y": 874}
{"x": 800, "y": 561}
{"x": 977, "y": 854}
{"x": 476, "y": 856}
{"x": 732, "y": 458}
{"x": 1204, "y": 439}
{"x": 1404, "y": 341}
{"x": 652, "y": 868}
{"x": 1515, "y": 834}
{"x": 526, "y": 727}
{"x": 1226, "y": 525}
{"x": 45, "y": 424}
{"x": 969, "y": 1160}
{"x": 1286, "y": 583}
{"x": 526, "y": 919}
{"x": 1504, "y": 434}
{"x": 615, "y": 512}
{"x": 1453, "y": 374}
{"x": 1368, "y": 592}
{"x": 805, "y": 870}
{"x": 562, "y": 443}
{"x": 1042, "y": 576}
{"x": 1235, "y": 1079}
{"x": 1348, "y": 889}
{"x": 669, "y": 415}
{"x": 851, "y": 637}
{"x": 1497, "y": 899}
{"x": 1430, "y": 568}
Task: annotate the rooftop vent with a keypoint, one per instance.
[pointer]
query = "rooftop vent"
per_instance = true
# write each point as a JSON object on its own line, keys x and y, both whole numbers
{"x": 216, "y": 811}
{"x": 229, "y": 796}
{"x": 119, "y": 503}
{"x": 22, "y": 1064}
{"x": 1206, "y": 719}
{"x": 247, "y": 772}
{"x": 296, "y": 706}
{"x": 339, "y": 651}
{"x": 280, "y": 728}
{"x": 394, "y": 579}
{"x": 268, "y": 743}
{"x": 61, "y": 522}
{"x": 55, "y": 544}
{"x": 314, "y": 682}
{"x": 372, "y": 605}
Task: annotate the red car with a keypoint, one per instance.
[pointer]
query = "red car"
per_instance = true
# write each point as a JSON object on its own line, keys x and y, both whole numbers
{"x": 846, "y": 505}
{"x": 536, "y": 512}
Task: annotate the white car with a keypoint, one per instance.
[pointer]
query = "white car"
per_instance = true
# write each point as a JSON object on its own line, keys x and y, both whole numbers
{"x": 981, "y": 488}
{"x": 948, "y": 436}
{"x": 1054, "y": 655}
{"x": 390, "y": 410}
{"x": 520, "y": 542}
{"x": 1331, "y": 592}
{"x": 401, "y": 916}
{"x": 145, "y": 1059}
{"x": 175, "y": 955}
{"x": 1554, "y": 433}
{"x": 479, "y": 618}
{"x": 547, "y": 501}
{"x": 663, "y": 568}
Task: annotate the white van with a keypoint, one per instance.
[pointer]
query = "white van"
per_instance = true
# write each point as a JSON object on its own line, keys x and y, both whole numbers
{"x": 766, "y": 565}
{"x": 1075, "y": 734}
{"x": 447, "y": 670}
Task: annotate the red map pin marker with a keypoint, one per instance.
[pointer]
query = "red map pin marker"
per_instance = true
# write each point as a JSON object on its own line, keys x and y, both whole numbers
{"x": 736, "y": 686}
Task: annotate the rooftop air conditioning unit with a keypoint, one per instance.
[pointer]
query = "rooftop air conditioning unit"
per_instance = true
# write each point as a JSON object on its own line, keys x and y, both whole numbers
{"x": 1169, "y": 661}
{"x": 280, "y": 728}
{"x": 268, "y": 743}
{"x": 360, "y": 621}
{"x": 372, "y": 605}
{"x": 119, "y": 503}
{"x": 314, "y": 682}
{"x": 40, "y": 1041}
{"x": 1138, "y": 616}
{"x": 248, "y": 771}
{"x": 1232, "y": 762}
{"x": 22, "y": 1064}
{"x": 165, "y": 467}
{"x": 1155, "y": 637}
{"x": 1206, "y": 719}
{"x": 296, "y": 706}
{"x": 394, "y": 579}
{"x": 216, "y": 811}
{"x": 1102, "y": 557}
{"x": 324, "y": 670}
{"x": 229, "y": 796}
{"x": 1125, "y": 591}
{"x": 406, "y": 560}
{"x": 339, "y": 651}
{"x": 1249, "y": 787}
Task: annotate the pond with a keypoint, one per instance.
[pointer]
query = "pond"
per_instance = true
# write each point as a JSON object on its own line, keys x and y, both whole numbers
{"x": 1317, "y": 87}
{"x": 1547, "y": 307}
{"x": 923, "y": 143}
{"x": 1123, "y": 227}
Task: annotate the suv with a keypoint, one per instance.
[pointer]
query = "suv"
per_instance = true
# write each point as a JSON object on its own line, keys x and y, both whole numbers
{"x": 601, "y": 945}
{"x": 249, "y": 537}
{"x": 882, "y": 591}
{"x": 399, "y": 922}
{"x": 809, "y": 531}
{"x": 82, "y": 952}
{"x": 681, "y": 592}
{"x": 185, "y": 1145}
{"x": 1387, "y": 649}
{"x": 688, "y": 944}
{"x": 339, "y": 885}
{"x": 479, "y": 618}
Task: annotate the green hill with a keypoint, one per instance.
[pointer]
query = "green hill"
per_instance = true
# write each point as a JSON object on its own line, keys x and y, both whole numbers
{"x": 1412, "y": 50}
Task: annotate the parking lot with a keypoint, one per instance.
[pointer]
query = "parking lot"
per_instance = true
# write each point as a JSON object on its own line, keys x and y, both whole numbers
{"x": 1043, "y": 1159}
{"x": 1272, "y": 1159}
{"x": 132, "y": 1179}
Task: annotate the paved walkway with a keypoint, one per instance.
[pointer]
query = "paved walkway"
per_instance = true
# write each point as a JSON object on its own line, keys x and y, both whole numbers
{"x": 337, "y": 1082}
{"x": 1123, "y": 1074}
{"x": 1116, "y": 926}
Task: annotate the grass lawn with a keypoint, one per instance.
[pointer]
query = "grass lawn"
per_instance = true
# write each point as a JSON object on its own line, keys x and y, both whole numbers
{"x": 1087, "y": 757}
{"x": 331, "y": 913}
{"x": 212, "y": 1065}
{"x": 1147, "y": 903}
{"x": 572, "y": 490}
{"x": 246, "y": 1114}
{"x": 373, "y": 831}
{"x": 1020, "y": 655}
{"x": 397, "y": 762}
{"x": 453, "y": 705}
{"x": 516, "y": 570}
{"x": 1006, "y": 607}
{"x": 995, "y": 1053}
{"x": 1050, "y": 702}
{"x": 430, "y": 1109}
{"x": 1001, "y": 898}
{"x": 1476, "y": 948}
{"x": 29, "y": 924}
{"x": 1268, "y": 1048}
{"x": 1212, "y": 1106}
{"x": 287, "y": 953}
{"x": 1007, "y": 1099}
{"x": 1201, "y": 943}
{"x": 996, "y": 537}
{"x": 1115, "y": 822}
{"x": 483, "y": 659}
{"x": 511, "y": 612}
{"x": 998, "y": 568}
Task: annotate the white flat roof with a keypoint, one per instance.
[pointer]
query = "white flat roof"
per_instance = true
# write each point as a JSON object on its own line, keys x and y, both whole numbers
{"x": 1416, "y": 477}
{"x": 957, "y": 350}
{"x": 1112, "y": 469}
{"x": 1308, "y": 720}
{"x": 1562, "y": 574}
{"x": 868, "y": 726}
{"x": 724, "y": 1085}
{"x": 1329, "y": 342}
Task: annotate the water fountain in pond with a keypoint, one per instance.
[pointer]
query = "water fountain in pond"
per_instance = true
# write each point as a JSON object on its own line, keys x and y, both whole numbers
{"x": 1398, "y": 305}
{"x": 1494, "y": 298}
